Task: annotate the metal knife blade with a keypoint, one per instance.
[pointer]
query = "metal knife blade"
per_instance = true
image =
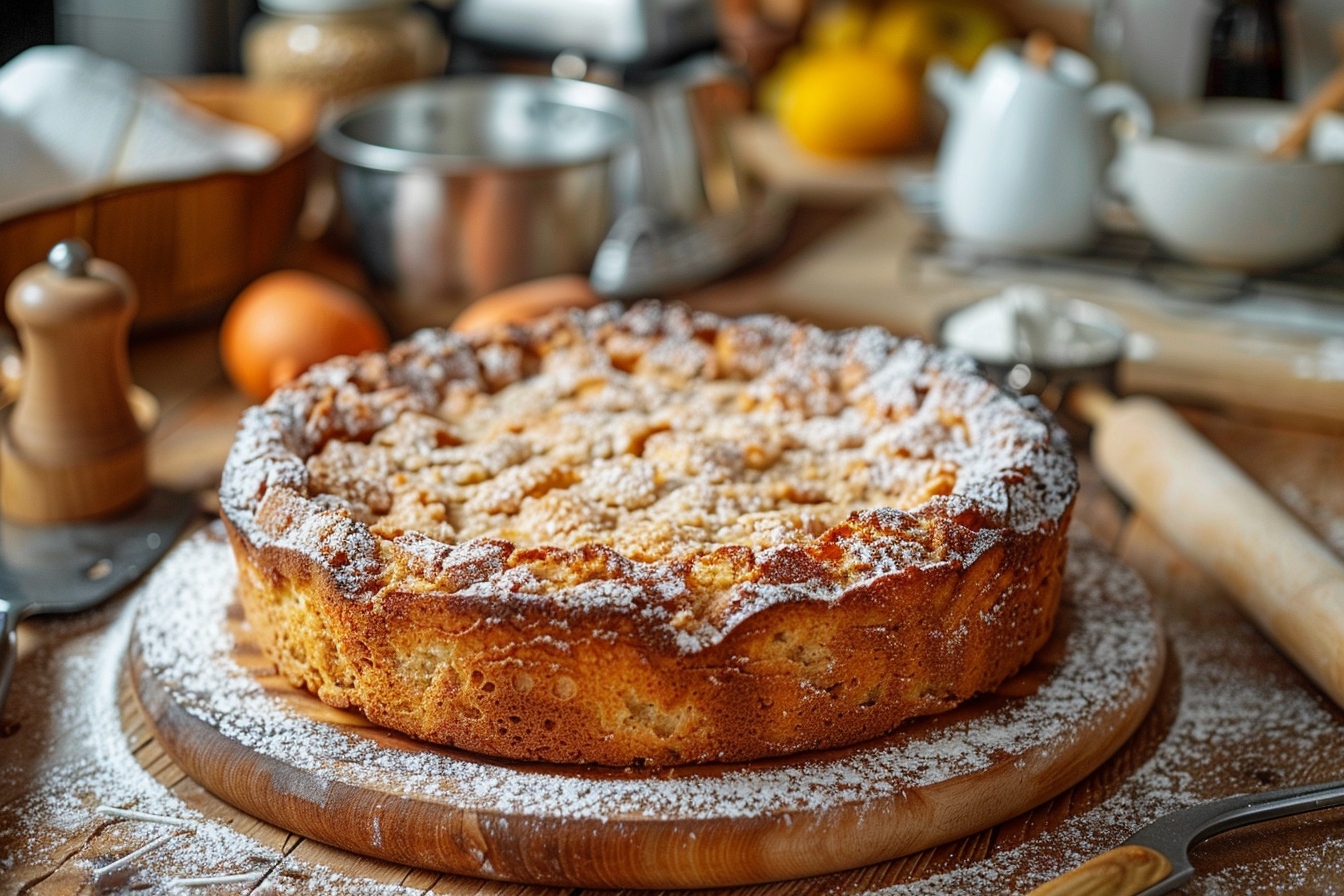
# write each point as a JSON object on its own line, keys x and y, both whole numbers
{"x": 1156, "y": 859}
{"x": 73, "y": 566}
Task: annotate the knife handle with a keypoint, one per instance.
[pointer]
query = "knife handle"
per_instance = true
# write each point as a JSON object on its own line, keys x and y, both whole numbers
{"x": 1124, "y": 871}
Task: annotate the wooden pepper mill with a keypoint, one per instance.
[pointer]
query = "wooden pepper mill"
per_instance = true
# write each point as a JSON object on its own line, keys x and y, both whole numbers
{"x": 71, "y": 449}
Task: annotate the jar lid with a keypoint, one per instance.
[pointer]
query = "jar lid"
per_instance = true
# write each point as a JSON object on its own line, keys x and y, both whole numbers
{"x": 327, "y": 6}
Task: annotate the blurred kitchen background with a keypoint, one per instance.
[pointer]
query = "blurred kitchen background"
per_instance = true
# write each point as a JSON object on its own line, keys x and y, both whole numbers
{"x": 845, "y": 161}
{"x": 1162, "y": 44}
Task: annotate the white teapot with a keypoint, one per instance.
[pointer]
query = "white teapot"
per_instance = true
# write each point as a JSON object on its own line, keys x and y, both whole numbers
{"x": 1025, "y": 148}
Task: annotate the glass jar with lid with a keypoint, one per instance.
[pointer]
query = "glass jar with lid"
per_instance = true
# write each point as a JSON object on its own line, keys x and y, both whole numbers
{"x": 341, "y": 47}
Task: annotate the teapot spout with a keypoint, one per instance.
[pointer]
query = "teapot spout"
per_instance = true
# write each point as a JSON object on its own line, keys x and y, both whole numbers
{"x": 947, "y": 83}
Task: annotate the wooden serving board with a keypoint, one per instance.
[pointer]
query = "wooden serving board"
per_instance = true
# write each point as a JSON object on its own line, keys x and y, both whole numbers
{"x": 220, "y": 711}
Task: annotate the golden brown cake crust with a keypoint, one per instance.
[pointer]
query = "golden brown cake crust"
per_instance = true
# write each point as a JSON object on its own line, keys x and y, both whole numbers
{"x": 651, "y": 536}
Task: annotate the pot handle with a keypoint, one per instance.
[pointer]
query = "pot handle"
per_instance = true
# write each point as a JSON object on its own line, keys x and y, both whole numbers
{"x": 947, "y": 82}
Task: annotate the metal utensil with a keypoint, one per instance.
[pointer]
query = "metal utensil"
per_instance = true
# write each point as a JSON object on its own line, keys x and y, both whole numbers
{"x": 72, "y": 567}
{"x": 1155, "y": 859}
{"x": 646, "y": 255}
{"x": 462, "y": 186}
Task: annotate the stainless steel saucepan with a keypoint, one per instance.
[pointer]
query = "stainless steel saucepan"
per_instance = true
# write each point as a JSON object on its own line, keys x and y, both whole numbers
{"x": 461, "y": 186}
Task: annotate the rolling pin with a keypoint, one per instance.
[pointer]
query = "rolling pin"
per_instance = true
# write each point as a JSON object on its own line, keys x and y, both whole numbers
{"x": 1273, "y": 566}
{"x": 1279, "y": 574}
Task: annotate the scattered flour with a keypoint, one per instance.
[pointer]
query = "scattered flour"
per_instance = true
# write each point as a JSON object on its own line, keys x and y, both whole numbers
{"x": 182, "y": 635}
{"x": 1314, "y": 513}
{"x": 65, "y": 702}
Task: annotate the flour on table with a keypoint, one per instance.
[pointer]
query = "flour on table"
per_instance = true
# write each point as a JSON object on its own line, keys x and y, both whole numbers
{"x": 69, "y": 695}
{"x": 184, "y": 640}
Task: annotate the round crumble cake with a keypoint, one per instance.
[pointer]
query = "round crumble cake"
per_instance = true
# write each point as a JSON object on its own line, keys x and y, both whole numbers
{"x": 649, "y": 536}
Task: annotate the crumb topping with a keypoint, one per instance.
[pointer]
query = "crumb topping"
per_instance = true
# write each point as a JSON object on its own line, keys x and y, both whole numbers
{"x": 657, "y": 435}
{"x": 662, "y": 448}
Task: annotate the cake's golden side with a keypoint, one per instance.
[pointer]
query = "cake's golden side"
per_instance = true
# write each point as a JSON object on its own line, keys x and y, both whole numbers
{"x": 798, "y": 676}
{"x": 579, "y": 653}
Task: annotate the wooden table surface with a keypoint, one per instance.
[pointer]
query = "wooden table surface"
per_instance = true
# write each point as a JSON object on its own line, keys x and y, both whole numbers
{"x": 1233, "y": 715}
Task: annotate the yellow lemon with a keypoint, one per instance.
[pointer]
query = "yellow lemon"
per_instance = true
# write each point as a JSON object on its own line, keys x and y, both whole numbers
{"x": 851, "y": 101}
{"x": 842, "y": 25}
{"x": 774, "y": 82}
{"x": 911, "y": 32}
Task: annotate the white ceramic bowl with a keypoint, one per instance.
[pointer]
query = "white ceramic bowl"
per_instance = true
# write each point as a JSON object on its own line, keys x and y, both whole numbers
{"x": 1203, "y": 189}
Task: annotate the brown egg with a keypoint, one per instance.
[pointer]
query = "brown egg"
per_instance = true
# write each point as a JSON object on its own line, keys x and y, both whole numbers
{"x": 521, "y": 303}
{"x": 287, "y": 321}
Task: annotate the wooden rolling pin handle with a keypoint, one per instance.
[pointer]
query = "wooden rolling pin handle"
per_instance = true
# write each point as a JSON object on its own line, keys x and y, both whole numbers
{"x": 1123, "y": 871}
{"x": 72, "y": 448}
{"x": 1282, "y": 577}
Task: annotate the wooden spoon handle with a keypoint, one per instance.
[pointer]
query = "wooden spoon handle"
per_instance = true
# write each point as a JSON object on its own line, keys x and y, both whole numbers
{"x": 1329, "y": 95}
{"x": 1123, "y": 871}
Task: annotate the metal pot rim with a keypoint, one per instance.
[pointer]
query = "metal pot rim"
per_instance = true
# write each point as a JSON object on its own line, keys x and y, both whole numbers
{"x": 342, "y": 147}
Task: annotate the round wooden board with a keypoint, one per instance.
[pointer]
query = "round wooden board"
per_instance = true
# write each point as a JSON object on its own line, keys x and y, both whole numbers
{"x": 221, "y": 712}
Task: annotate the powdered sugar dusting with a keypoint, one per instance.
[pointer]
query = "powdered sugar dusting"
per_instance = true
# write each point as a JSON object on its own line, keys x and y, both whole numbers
{"x": 183, "y": 638}
{"x": 69, "y": 755}
{"x": 88, "y": 762}
{"x": 1245, "y": 722}
{"x": 653, "y": 438}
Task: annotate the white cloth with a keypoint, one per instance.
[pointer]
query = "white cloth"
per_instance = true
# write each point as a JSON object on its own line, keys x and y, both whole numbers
{"x": 73, "y": 123}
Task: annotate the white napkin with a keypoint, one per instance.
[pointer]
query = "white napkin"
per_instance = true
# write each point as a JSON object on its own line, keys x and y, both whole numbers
{"x": 73, "y": 123}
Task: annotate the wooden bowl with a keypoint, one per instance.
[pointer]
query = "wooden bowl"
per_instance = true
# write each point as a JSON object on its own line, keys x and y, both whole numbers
{"x": 189, "y": 245}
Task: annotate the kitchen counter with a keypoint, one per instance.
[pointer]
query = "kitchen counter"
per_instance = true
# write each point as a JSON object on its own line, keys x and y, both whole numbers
{"x": 1232, "y": 715}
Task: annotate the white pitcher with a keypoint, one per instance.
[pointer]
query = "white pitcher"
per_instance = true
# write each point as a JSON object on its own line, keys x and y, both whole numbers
{"x": 1025, "y": 148}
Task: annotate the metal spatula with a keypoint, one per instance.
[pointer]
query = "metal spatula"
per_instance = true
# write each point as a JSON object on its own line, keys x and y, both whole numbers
{"x": 1155, "y": 859}
{"x": 72, "y": 567}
